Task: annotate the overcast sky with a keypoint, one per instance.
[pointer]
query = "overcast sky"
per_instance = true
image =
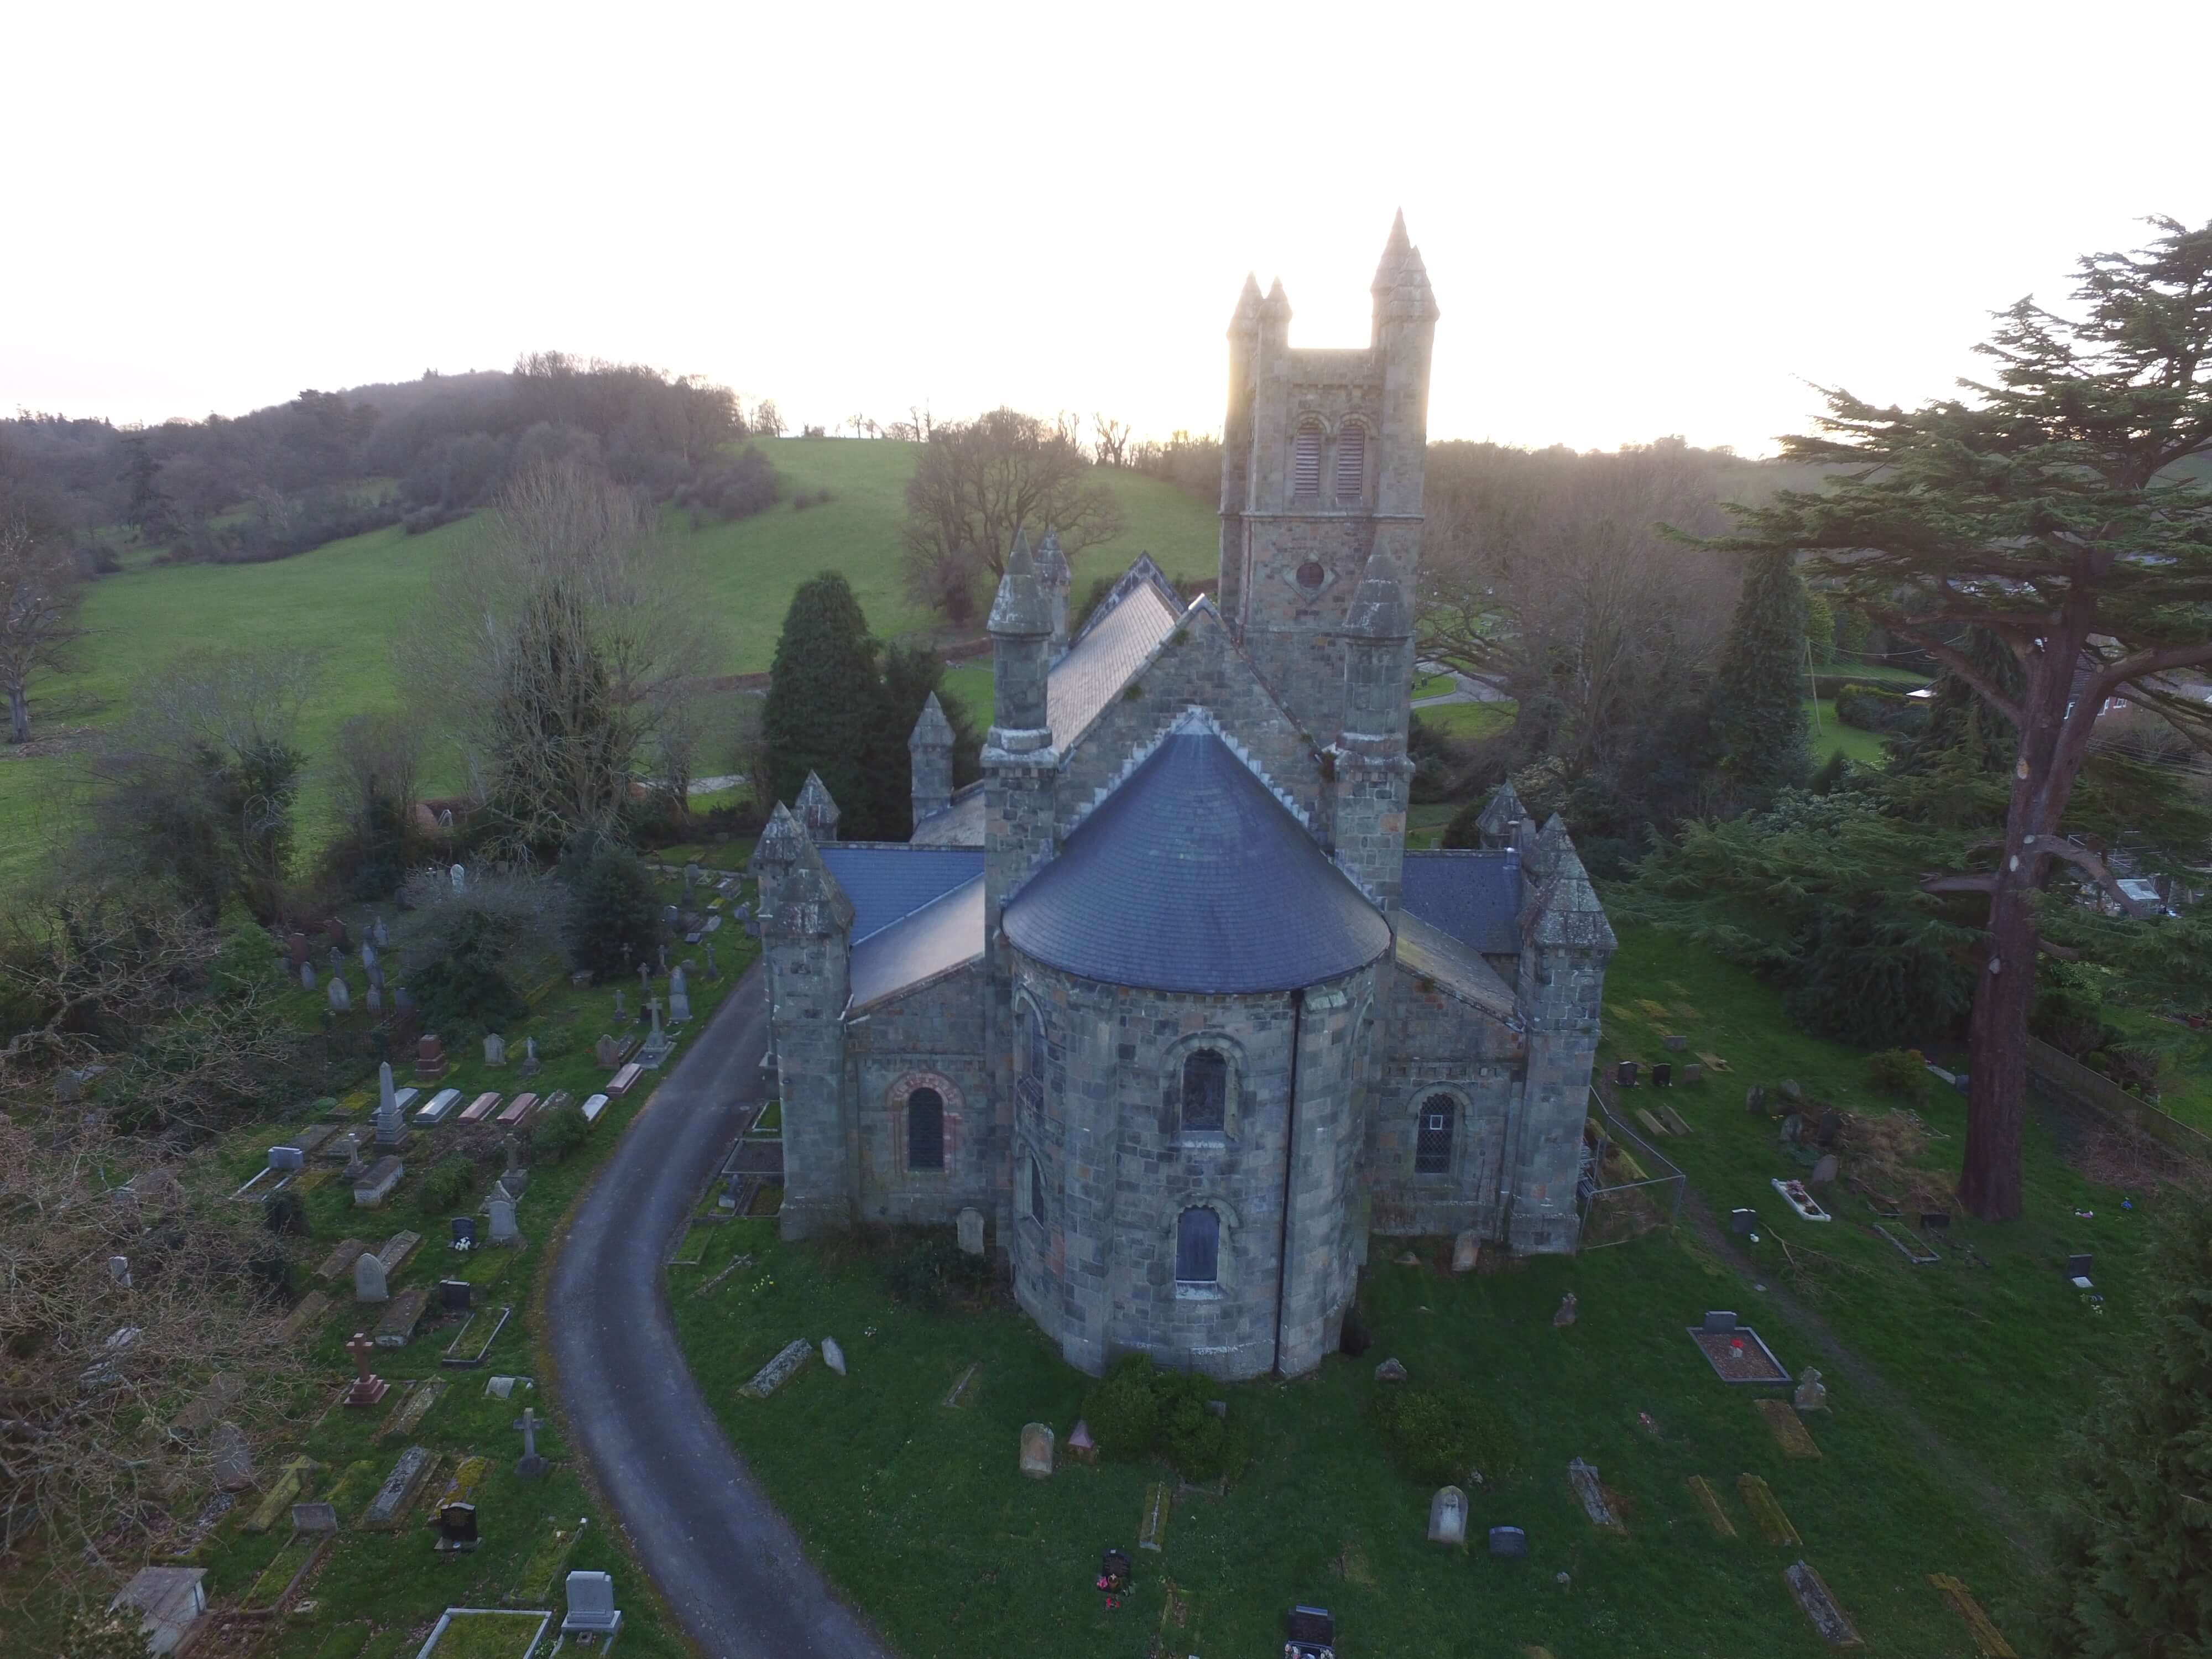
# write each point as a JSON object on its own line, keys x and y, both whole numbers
{"x": 1640, "y": 219}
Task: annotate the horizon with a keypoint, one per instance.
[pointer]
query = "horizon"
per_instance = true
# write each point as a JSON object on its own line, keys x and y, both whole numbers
{"x": 1653, "y": 245}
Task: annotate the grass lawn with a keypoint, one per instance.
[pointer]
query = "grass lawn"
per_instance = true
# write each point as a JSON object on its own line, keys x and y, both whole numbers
{"x": 1470, "y": 720}
{"x": 2184, "y": 1081}
{"x": 349, "y": 599}
{"x": 918, "y": 1511}
{"x": 377, "y": 1595}
{"x": 1434, "y": 685}
{"x": 1863, "y": 747}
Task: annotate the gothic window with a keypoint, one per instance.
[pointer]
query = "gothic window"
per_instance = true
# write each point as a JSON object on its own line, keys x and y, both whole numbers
{"x": 1205, "y": 1090}
{"x": 1037, "y": 1190}
{"x": 925, "y": 1130}
{"x": 1350, "y": 462}
{"x": 1305, "y": 459}
{"x": 1432, "y": 1139}
{"x": 1029, "y": 1047}
{"x": 1198, "y": 1247}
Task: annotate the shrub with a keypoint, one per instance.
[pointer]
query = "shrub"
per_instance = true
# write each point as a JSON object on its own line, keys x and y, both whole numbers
{"x": 1899, "y": 1071}
{"x": 1122, "y": 1411}
{"x": 448, "y": 1181}
{"x": 1439, "y": 1437}
{"x": 1137, "y": 1411}
{"x": 1873, "y": 709}
{"x": 561, "y": 1134}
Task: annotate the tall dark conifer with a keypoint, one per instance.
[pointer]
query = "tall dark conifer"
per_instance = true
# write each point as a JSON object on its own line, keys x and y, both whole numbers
{"x": 825, "y": 710}
{"x": 1759, "y": 708}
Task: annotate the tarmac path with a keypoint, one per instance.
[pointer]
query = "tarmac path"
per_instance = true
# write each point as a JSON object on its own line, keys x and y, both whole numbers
{"x": 727, "y": 1563}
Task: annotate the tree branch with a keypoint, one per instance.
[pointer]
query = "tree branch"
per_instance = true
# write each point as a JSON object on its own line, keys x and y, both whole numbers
{"x": 2156, "y": 660}
{"x": 1954, "y": 660}
{"x": 2058, "y": 847}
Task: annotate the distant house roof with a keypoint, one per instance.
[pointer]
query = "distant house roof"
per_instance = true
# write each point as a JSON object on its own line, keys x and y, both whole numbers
{"x": 960, "y": 825}
{"x": 944, "y": 934}
{"x": 1474, "y": 896}
{"x": 1112, "y": 646}
{"x": 1191, "y": 876}
{"x": 887, "y": 881}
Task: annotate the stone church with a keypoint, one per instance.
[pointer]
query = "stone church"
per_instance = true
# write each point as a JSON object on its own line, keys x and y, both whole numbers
{"x": 1164, "y": 997}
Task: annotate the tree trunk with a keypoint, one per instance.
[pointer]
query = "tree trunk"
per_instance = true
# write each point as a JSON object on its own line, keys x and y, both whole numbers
{"x": 1996, "y": 1064}
{"x": 18, "y": 714}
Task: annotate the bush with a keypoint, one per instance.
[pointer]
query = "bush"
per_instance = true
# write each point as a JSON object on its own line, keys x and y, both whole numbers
{"x": 1899, "y": 1071}
{"x": 448, "y": 1181}
{"x": 929, "y": 1271}
{"x": 614, "y": 921}
{"x": 1137, "y": 1411}
{"x": 1872, "y": 709}
{"x": 560, "y": 1134}
{"x": 1440, "y": 1437}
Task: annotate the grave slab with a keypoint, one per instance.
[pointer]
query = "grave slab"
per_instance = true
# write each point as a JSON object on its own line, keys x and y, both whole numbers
{"x": 1788, "y": 1428}
{"x": 1590, "y": 1492}
{"x": 401, "y": 1314}
{"x": 1709, "y": 1502}
{"x": 1766, "y": 1510}
{"x": 779, "y": 1369}
{"x": 395, "y": 1251}
{"x": 1989, "y": 1640}
{"x": 277, "y": 1502}
{"x": 389, "y": 1507}
{"x": 1820, "y": 1606}
{"x": 421, "y": 1398}
{"x": 339, "y": 1261}
{"x": 479, "y": 1109}
{"x": 305, "y": 1317}
{"x": 370, "y": 1192}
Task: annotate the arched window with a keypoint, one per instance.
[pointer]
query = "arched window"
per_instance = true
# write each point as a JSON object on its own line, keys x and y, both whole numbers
{"x": 925, "y": 1130}
{"x": 1037, "y": 1190}
{"x": 1205, "y": 1090}
{"x": 1029, "y": 1052}
{"x": 1433, "y": 1140}
{"x": 1305, "y": 459}
{"x": 1198, "y": 1247}
{"x": 1350, "y": 462}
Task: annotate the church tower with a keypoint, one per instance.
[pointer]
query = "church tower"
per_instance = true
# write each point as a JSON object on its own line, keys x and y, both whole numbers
{"x": 1322, "y": 454}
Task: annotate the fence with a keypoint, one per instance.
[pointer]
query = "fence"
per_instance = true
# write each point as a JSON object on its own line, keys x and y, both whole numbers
{"x": 1613, "y": 1214}
{"x": 2063, "y": 1075}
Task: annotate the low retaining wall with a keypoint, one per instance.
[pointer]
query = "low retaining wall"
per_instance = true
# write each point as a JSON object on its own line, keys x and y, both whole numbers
{"x": 2063, "y": 1075}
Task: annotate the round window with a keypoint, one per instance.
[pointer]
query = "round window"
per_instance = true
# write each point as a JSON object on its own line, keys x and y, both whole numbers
{"x": 1312, "y": 576}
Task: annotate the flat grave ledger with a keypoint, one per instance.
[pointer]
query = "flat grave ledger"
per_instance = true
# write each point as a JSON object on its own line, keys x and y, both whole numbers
{"x": 1709, "y": 1502}
{"x": 441, "y": 1107}
{"x": 340, "y": 1260}
{"x": 310, "y": 1311}
{"x": 421, "y": 1397}
{"x": 593, "y": 1106}
{"x": 389, "y": 1507}
{"x": 373, "y": 1188}
{"x": 1766, "y": 1510}
{"x": 1738, "y": 1354}
{"x": 520, "y": 1110}
{"x": 1590, "y": 1492}
{"x": 314, "y": 1517}
{"x": 624, "y": 1080}
{"x": 1788, "y": 1428}
{"x": 401, "y": 1316}
{"x": 395, "y": 1251}
{"x": 1820, "y": 1606}
{"x": 1989, "y": 1640}
{"x": 479, "y": 1109}
{"x": 779, "y": 1370}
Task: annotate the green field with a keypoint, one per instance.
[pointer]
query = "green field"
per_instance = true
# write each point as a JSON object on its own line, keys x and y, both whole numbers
{"x": 1832, "y": 736}
{"x": 348, "y": 600}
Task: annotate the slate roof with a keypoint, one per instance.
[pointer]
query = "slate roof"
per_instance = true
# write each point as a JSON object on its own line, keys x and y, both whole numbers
{"x": 888, "y": 880}
{"x": 960, "y": 825}
{"x": 1191, "y": 876}
{"x": 1426, "y": 949}
{"x": 1474, "y": 896}
{"x": 945, "y": 933}
{"x": 1112, "y": 648}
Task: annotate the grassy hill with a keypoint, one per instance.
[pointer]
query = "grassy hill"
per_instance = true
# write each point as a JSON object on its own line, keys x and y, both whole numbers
{"x": 348, "y": 599}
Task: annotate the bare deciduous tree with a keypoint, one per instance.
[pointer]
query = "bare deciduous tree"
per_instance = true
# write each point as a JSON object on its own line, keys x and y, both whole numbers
{"x": 1112, "y": 439}
{"x": 40, "y": 598}
{"x": 549, "y": 649}
{"x": 977, "y": 484}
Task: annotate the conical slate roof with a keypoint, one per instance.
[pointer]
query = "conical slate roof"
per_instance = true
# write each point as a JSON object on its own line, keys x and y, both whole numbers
{"x": 1191, "y": 876}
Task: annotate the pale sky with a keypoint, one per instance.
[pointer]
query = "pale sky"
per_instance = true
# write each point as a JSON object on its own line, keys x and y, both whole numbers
{"x": 1638, "y": 219}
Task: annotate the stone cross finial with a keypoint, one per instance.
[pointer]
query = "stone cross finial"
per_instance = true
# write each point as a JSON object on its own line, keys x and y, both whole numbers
{"x": 361, "y": 1348}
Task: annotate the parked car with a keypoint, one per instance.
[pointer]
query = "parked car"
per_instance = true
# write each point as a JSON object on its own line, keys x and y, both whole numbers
{"x": 1313, "y": 1634}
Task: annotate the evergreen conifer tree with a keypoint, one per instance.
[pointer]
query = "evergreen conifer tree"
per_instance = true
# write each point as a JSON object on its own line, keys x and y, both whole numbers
{"x": 911, "y": 673}
{"x": 1758, "y": 700}
{"x": 2131, "y": 1534}
{"x": 614, "y": 920}
{"x": 825, "y": 710}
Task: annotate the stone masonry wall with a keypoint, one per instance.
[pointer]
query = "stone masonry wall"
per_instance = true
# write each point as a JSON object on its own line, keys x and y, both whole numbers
{"x": 931, "y": 1037}
{"x": 1434, "y": 1041}
{"x": 811, "y": 981}
{"x": 1561, "y": 995}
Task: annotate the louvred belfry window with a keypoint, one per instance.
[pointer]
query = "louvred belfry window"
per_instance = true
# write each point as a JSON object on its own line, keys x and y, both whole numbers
{"x": 1305, "y": 460}
{"x": 1350, "y": 462}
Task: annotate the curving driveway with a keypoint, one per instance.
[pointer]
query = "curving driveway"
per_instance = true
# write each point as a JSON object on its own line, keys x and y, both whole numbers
{"x": 729, "y": 1564}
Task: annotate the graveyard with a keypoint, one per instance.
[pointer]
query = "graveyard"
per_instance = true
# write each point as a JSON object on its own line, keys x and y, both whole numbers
{"x": 423, "y": 1498}
{"x": 1879, "y": 1489}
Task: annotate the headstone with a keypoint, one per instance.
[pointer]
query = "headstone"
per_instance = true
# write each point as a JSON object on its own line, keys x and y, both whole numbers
{"x": 119, "y": 1269}
{"x": 503, "y": 1229}
{"x": 1754, "y": 1100}
{"x": 663, "y": 959}
{"x": 1743, "y": 1222}
{"x": 287, "y": 1158}
{"x": 1693, "y": 1073}
{"x": 1624, "y": 1075}
{"x": 1663, "y": 1074}
{"x": 368, "y": 953}
{"x": 1832, "y": 1127}
{"x": 457, "y": 1527}
{"x": 460, "y": 877}
{"x": 297, "y": 949}
{"x": 402, "y": 998}
{"x": 1036, "y": 1451}
{"x": 1565, "y": 1315}
{"x": 307, "y": 975}
{"x": 1390, "y": 1370}
{"x": 341, "y": 998}
{"x": 968, "y": 1228}
{"x": 1824, "y": 1170}
{"x": 494, "y": 1050}
{"x": 368, "y": 1388}
{"x": 1718, "y": 1321}
{"x": 1510, "y": 1543}
{"x": 336, "y": 929}
{"x": 375, "y": 998}
{"x": 1812, "y": 1395}
{"x": 832, "y": 1355}
{"x": 1466, "y": 1252}
{"x": 1792, "y": 1091}
{"x": 530, "y": 1056}
{"x": 591, "y": 1606}
{"x": 532, "y": 1465}
{"x": 370, "y": 1281}
{"x": 429, "y": 1059}
{"x": 453, "y": 1294}
{"x": 1081, "y": 1443}
{"x": 622, "y": 1008}
{"x": 383, "y": 933}
{"x": 608, "y": 1052}
{"x": 2077, "y": 1266}
{"x": 1448, "y": 1517}
{"x": 314, "y": 1517}
{"x": 464, "y": 1231}
{"x": 389, "y": 1126}
{"x": 501, "y": 1387}
{"x": 679, "y": 999}
{"x": 1675, "y": 1044}
{"x": 1935, "y": 1221}
{"x": 337, "y": 958}
{"x": 233, "y": 1459}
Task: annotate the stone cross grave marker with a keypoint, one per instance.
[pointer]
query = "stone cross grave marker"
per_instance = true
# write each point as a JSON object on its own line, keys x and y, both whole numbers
{"x": 532, "y": 1465}
{"x": 368, "y": 1388}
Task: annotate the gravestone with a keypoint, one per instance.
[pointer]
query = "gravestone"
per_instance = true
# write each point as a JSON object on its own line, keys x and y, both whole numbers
{"x": 453, "y": 1294}
{"x": 1510, "y": 1543}
{"x": 607, "y": 1052}
{"x": 232, "y": 1457}
{"x": 968, "y": 1228}
{"x": 457, "y": 1528}
{"x": 370, "y": 1281}
{"x": 1675, "y": 1044}
{"x": 375, "y": 998}
{"x": 591, "y": 1606}
{"x": 622, "y": 1008}
{"x": 314, "y": 1517}
{"x": 1754, "y": 1100}
{"x": 1566, "y": 1316}
{"x": 1832, "y": 1127}
{"x": 1824, "y": 1170}
{"x": 1693, "y": 1073}
{"x": 460, "y": 877}
{"x": 1743, "y": 1222}
{"x": 307, "y": 975}
{"x": 1624, "y": 1075}
{"x": 429, "y": 1059}
{"x": 533, "y": 1465}
{"x": 1663, "y": 1074}
{"x": 494, "y": 1050}
{"x": 383, "y": 933}
{"x": 2077, "y": 1267}
{"x": 503, "y": 1229}
{"x": 679, "y": 999}
{"x": 530, "y": 1056}
{"x": 832, "y": 1355}
{"x": 1466, "y": 1252}
{"x": 1718, "y": 1321}
{"x": 298, "y": 949}
{"x": 1590, "y": 1491}
{"x": 1812, "y": 1393}
{"x": 1390, "y": 1370}
{"x": 402, "y": 998}
{"x": 368, "y": 1388}
{"x": 391, "y": 1129}
{"x": 1448, "y": 1517}
{"x": 375, "y": 1186}
{"x": 779, "y": 1369}
{"x": 1036, "y": 1451}
{"x": 341, "y": 998}
{"x": 287, "y": 1158}
{"x": 1936, "y": 1221}
{"x": 368, "y": 953}
{"x": 464, "y": 1231}
{"x": 119, "y": 1269}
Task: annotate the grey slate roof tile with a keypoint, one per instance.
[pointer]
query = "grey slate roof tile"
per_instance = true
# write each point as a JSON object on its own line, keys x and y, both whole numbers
{"x": 1099, "y": 663}
{"x": 888, "y": 880}
{"x": 1474, "y": 896}
{"x": 943, "y": 934}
